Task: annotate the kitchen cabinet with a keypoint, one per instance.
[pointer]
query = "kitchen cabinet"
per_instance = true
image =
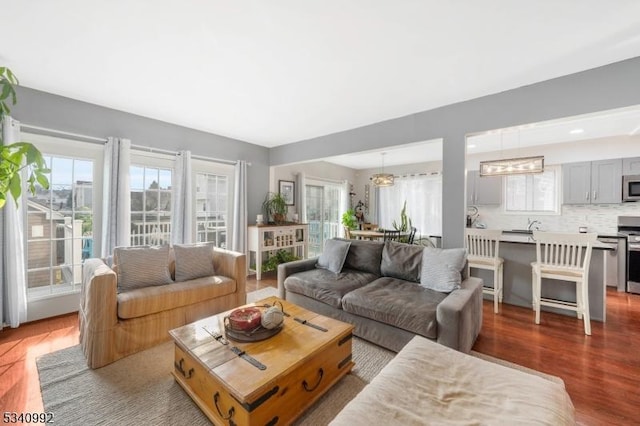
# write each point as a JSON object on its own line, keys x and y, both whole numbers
{"x": 483, "y": 191}
{"x": 631, "y": 166}
{"x": 266, "y": 240}
{"x": 592, "y": 182}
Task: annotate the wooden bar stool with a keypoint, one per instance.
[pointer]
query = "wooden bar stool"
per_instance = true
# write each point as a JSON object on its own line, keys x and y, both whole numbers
{"x": 483, "y": 246}
{"x": 565, "y": 257}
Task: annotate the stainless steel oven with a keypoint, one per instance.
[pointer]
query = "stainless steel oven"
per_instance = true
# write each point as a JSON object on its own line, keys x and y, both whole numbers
{"x": 630, "y": 226}
{"x": 631, "y": 188}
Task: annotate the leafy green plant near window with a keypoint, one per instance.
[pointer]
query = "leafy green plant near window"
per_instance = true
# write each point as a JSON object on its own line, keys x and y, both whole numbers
{"x": 275, "y": 207}
{"x": 281, "y": 256}
{"x": 349, "y": 219}
{"x": 20, "y": 155}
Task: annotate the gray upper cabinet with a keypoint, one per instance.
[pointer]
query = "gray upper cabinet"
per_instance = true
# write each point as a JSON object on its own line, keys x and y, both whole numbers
{"x": 631, "y": 166}
{"x": 592, "y": 182}
{"x": 576, "y": 183}
{"x": 483, "y": 191}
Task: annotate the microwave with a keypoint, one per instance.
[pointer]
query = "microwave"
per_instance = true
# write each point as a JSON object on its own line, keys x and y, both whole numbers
{"x": 631, "y": 188}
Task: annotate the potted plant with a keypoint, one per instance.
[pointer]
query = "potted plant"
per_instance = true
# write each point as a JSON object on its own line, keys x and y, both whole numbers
{"x": 17, "y": 156}
{"x": 349, "y": 219}
{"x": 405, "y": 223}
{"x": 275, "y": 207}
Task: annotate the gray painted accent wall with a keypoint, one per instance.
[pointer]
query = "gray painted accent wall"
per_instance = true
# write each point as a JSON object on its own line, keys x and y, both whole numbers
{"x": 608, "y": 87}
{"x": 44, "y": 109}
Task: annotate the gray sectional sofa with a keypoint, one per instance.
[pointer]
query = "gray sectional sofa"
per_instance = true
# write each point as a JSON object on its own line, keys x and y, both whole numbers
{"x": 388, "y": 291}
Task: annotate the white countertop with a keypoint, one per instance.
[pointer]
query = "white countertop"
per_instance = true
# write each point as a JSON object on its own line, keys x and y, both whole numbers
{"x": 508, "y": 237}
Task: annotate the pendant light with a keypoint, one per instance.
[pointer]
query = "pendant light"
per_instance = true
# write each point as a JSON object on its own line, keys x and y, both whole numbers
{"x": 382, "y": 179}
{"x": 512, "y": 166}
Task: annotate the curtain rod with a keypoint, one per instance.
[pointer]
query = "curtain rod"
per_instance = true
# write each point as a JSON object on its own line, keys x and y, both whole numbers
{"x": 94, "y": 139}
{"x": 196, "y": 157}
{"x": 62, "y": 133}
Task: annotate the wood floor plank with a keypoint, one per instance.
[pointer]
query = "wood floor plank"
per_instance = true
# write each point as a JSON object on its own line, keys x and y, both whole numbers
{"x": 601, "y": 371}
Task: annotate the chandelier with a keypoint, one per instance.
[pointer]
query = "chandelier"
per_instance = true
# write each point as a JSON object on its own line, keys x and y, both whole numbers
{"x": 512, "y": 166}
{"x": 382, "y": 179}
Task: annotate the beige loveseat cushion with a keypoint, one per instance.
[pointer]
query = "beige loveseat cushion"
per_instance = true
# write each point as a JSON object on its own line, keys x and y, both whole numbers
{"x": 144, "y": 301}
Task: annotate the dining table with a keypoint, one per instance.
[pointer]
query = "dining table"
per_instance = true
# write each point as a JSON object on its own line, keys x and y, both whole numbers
{"x": 371, "y": 234}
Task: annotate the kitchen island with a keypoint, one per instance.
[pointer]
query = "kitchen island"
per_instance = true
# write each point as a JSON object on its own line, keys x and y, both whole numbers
{"x": 519, "y": 251}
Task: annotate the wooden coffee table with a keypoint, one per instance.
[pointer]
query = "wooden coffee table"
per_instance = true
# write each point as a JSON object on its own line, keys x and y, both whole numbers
{"x": 267, "y": 382}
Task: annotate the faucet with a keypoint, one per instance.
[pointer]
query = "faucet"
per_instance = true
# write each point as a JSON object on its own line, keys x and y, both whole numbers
{"x": 532, "y": 223}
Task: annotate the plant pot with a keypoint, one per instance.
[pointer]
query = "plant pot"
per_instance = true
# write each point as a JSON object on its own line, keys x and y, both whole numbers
{"x": 279, "y": 218}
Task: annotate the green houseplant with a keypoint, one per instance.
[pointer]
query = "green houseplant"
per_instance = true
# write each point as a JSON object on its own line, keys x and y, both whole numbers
{"x": 349, "y": 219}
{"x": 20, "y": 155}
{"x": 275, "y": 207}
{"x": 281, "y": 256}
{"x": 405, "y": 223}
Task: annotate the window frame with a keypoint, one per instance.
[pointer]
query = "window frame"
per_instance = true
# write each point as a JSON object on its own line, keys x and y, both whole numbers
{"x": 557, "y": 169}
{"x": 199, "y": 166}
{"x": 51, "y": 146}
{"x": 151, "y": 160}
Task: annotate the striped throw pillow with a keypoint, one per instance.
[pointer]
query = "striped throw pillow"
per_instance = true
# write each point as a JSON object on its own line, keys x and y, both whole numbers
{"x": 142, "y": 266}
{"x": 441, "y": 268}
{"x": 193, "y": 261}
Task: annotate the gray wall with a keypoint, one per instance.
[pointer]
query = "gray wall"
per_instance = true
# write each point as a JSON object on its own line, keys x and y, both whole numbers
{"x": 56, "y": 112}
{"x": 612, "y": 86}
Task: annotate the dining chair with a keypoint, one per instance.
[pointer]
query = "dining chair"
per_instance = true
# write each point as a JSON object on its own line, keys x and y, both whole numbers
{"x": 369, "y": 226}
{"x": 412, "y": 235}
{"x": 483, "y": 247}
{"x": 391, "y": 235}
{"x": 564, "y": 257}
{"x": 347, "y": 233}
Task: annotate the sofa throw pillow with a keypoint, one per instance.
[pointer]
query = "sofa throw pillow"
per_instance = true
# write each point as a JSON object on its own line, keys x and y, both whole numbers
{"x": 441, "y": 268}
{"x": 142, "y": 266}
{"x": 333, "y": 255}
{"x": 364, "y": 256}
{"x": 402, "y": 261}
{"x": 193, "y": 261}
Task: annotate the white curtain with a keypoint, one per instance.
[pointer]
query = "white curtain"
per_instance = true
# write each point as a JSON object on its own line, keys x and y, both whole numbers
{"x": 423, "y": 195}
{"x": 13, "y": 308}
{"x": 181, "y": 201}
{"x": 116, "y": 205}
{"x": 239, "y": 234}
{"x": 301, "y": 196}
{"x": 345, "y": 204}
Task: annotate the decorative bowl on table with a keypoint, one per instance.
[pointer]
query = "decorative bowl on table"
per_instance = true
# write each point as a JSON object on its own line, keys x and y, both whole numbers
{"x": 245, "y": 319}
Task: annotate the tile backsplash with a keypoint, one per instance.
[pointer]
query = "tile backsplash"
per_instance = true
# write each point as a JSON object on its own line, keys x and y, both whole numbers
{"x": 600, "y": 218}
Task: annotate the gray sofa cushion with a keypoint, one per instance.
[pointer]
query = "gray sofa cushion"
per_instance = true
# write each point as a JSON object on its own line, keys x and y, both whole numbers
{"x": 333, "y": 255}
{"x": 400, "y": 260}
{"x": 365, "y": 256}
{"x": 325, "y": 286}
{"x": 397, "y": 302}
{"x": 441, "y": 268}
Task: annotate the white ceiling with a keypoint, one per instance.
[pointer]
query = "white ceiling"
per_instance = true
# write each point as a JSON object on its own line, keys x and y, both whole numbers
{"x": 275, "y": 72}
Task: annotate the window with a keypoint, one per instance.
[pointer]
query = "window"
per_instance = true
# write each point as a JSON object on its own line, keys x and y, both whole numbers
{"x": 533, "y": 193}
{"x": 60, "y": 221}
{"x": 150, "y": 185}
{"x": 423, "y": 195}
{"x": 323, "y": 213}
{"x": 212, "y": 205}
{"x": 212, "y": 197}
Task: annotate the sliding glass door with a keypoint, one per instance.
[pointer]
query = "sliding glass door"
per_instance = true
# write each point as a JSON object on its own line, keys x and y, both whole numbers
{"x": 323, "y": 213}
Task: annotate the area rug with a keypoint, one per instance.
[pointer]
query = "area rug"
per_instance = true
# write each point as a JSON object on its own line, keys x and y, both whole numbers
{"x": 140, "y": 389}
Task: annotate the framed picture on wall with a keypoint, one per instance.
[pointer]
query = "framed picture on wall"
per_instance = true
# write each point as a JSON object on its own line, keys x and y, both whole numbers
{"x": 286, "y": 188}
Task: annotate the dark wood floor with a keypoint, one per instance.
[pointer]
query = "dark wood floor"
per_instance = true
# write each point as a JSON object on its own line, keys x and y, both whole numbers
{"x": 601, "y": 372}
